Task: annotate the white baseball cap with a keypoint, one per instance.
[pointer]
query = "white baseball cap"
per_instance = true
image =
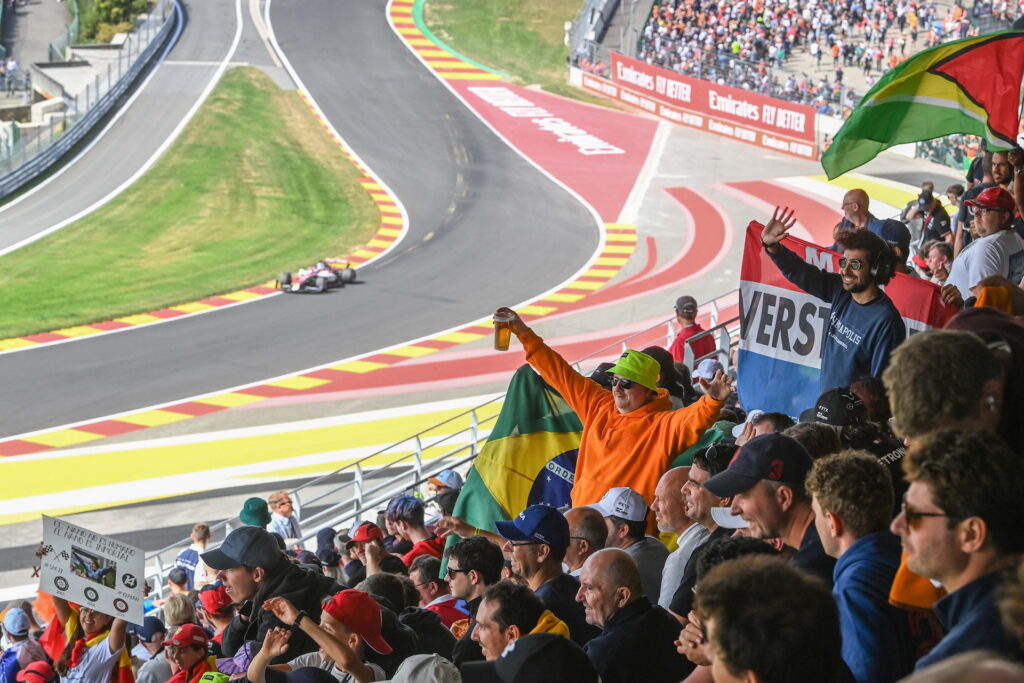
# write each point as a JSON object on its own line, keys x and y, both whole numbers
{"x": 707, "y": 368}
{"x": 737, "y": 431}
{"x": 727, "y": 520}
{"x": 623, "y": 502}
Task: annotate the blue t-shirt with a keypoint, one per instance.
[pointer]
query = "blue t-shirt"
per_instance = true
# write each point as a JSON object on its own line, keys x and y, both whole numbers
{"x": 9, "y": 665}
{"x": 859, "y": 337}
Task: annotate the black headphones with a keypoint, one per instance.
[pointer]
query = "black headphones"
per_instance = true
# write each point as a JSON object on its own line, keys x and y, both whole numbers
{"x": 883, "y": 266}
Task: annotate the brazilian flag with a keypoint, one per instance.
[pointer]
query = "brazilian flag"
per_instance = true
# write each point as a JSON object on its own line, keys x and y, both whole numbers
{"x": 529, "y": 458}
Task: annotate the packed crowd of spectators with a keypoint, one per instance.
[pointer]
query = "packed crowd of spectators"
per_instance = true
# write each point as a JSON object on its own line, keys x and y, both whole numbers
{"x": 749, "y": 45}
{"x": 874, "y": 537}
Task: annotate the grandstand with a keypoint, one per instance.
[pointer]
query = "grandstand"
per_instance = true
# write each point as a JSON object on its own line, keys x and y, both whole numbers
{"x": 575, "y": 505}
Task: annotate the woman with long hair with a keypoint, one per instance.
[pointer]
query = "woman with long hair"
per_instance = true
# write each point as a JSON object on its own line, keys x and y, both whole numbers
{"x": 94, "y": 651}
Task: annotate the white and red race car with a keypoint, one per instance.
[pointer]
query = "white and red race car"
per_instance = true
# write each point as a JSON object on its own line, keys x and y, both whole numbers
{"x": 318, "y": 278}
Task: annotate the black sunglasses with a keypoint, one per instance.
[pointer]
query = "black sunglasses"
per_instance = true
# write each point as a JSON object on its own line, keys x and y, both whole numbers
{"x": 626, "y": 384}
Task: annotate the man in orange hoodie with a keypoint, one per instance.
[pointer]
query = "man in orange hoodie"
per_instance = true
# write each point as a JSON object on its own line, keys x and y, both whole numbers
{"x": 630, "y": 434}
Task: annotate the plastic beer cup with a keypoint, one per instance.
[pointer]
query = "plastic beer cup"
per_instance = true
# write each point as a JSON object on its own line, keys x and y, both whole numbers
{"x": 502, "y": 331}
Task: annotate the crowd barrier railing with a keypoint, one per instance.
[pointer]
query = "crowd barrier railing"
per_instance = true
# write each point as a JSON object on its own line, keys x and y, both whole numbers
{"x": 357, "y": 490}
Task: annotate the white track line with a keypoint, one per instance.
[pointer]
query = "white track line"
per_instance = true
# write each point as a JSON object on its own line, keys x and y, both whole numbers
{"x": 152, "y": 159}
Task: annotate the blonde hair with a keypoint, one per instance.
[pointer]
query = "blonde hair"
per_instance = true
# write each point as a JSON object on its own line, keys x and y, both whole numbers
{"x": 276, "y": 496}
{"x": 179, "y": 609}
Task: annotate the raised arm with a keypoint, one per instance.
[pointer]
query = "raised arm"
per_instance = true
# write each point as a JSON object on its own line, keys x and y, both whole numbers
{"x": 813, "y": 280}
{"x": 343, "y": 656}
{"x": 62, "y": 609}
{"x": 117, "y": 637}
{"x": 581, "y": 393}
{"x": 777, "y": 229}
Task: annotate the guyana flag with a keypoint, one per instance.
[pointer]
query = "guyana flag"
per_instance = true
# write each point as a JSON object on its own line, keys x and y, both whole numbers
{"x": 529, "y": 458}
{"x": 967, "y": 86}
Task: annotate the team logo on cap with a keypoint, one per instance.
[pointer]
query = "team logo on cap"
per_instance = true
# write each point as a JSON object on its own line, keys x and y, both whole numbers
{"x": 776, "y": 469}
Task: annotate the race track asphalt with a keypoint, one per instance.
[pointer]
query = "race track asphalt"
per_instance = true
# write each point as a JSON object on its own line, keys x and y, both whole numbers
{"x": 486, "y": 229}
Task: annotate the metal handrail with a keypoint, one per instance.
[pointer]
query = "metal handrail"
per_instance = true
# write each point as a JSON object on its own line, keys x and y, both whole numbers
{"x": 368, "y": 499}
{"x": 670, "y": 335}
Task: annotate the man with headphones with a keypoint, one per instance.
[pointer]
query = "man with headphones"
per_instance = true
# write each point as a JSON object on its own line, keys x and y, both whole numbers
{"x": 864, "y": 326}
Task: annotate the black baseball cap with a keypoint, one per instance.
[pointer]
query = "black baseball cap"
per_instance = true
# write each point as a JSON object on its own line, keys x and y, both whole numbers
{"x": 774, "y": 457}
{"x": 840, "y": 407}
{"x": 248, "y": 545}
{"x": 536, "y": 658}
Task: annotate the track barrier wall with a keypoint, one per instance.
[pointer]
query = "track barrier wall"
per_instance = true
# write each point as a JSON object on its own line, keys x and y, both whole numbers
{"x": 767, "y": 122}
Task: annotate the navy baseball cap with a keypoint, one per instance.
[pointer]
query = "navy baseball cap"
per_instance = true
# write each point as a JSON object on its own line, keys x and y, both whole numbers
{"x": 248, "y": 545}
{"x": 149, "y": 628}
{"x": 539, "y": 523}
{"x": 895, "y": 234}
{"x": 774, "y": 457}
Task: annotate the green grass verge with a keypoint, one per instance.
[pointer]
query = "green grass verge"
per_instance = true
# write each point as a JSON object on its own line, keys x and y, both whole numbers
{"x": 252, "y": 187}
{"x": 525, "y": 38}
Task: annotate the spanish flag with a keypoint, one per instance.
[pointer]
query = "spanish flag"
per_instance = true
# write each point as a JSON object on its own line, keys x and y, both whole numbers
{"x": 970, "y": 86}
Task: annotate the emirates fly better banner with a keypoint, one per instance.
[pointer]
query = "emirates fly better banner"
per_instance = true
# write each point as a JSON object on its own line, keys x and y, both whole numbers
{"x": 757, "y": 119}
{"x": 781, "y": 326}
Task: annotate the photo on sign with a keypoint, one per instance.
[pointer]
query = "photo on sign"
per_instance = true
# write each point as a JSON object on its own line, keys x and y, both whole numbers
{"x": 93, "y": 567}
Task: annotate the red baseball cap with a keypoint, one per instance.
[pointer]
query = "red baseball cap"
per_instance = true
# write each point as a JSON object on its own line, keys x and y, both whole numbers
{"x": 360, "y": 613}
{"x": 993, "y": 198}
{"x": 367, "y": 531}
{"x": 36, "y": 672}
{"x": 188, "y": 634}
{"x": 215, "y": 599}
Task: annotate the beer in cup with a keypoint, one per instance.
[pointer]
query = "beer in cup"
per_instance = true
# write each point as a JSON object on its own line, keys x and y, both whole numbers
{"x": 502, "y": 331}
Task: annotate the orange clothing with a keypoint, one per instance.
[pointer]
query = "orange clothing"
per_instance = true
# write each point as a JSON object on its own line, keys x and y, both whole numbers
{"x": 913, "y": 591}
{"x": 632, "y": 449}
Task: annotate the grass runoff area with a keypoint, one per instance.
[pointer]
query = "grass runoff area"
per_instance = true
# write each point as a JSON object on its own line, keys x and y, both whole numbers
{"x": 253, "y": 186}
{"x": 524, "y": 38}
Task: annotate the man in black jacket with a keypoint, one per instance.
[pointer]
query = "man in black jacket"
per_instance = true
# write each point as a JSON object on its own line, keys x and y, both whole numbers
{"x": 253, "y": 569}
{"x": 638, "y": 638}
{"x": 473, "y": 564}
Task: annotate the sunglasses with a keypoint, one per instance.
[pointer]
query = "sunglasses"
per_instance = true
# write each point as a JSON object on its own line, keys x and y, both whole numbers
{"x": 452, "y": 572}
{"x": 854, "y": 263}
{"x": 626, "y": 384}
{"x": 914, "y": 517}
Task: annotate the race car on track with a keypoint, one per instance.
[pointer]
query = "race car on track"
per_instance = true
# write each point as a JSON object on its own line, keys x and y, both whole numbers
{"x": 318, "y": 278}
